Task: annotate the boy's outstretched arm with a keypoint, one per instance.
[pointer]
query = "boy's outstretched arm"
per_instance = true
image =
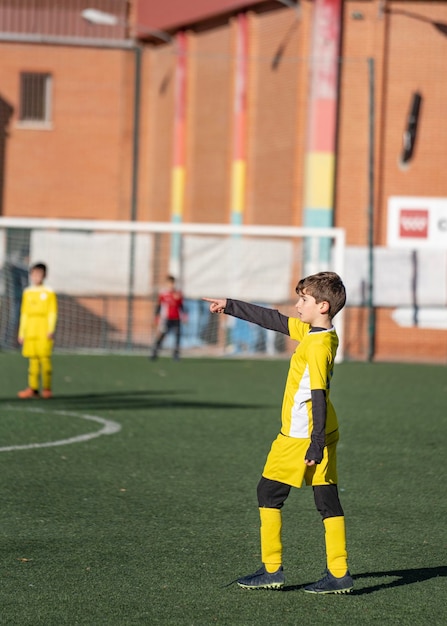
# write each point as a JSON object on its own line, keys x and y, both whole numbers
{"x": 271, "y": 319}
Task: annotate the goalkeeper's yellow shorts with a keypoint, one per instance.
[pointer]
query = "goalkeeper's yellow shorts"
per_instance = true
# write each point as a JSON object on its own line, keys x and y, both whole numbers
{"x": 37, "y": 347}
{"x": 285, "y": 462}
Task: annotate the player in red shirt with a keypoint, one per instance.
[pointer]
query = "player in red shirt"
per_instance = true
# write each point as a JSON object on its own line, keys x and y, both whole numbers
{"x": 168, "y": 316}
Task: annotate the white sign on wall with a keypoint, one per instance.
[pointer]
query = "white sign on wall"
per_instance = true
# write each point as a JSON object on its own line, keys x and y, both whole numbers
{"x": 417, "y": 222}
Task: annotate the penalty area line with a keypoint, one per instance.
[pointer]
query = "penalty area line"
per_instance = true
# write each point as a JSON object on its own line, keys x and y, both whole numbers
{"x": 109, "y": 427}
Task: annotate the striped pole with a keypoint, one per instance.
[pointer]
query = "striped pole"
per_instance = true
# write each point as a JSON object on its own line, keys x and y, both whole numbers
{"x": 239, "y": 165}
{"x": 179, "y": 152}
{"x": 319, "y": 180}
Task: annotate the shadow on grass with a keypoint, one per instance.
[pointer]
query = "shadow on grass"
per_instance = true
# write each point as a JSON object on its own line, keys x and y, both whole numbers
{"x": 404, "y": 577}
{"x": 123, "y": 400}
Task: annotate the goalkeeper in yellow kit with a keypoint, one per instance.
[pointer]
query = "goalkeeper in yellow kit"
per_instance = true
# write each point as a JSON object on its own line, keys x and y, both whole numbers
{"x": 38, "y": 317}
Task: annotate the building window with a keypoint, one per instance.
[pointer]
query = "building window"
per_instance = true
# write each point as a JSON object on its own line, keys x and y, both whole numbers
{"x": 35, "y": 97}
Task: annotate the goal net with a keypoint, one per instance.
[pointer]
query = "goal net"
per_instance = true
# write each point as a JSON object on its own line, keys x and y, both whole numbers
{"x": 107, "y": 276}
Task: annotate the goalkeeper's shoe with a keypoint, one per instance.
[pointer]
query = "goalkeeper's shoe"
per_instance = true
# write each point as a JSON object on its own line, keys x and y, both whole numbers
{"x": 28, "y": 393}
{"x": 332, "y": 584}
{"x": 47, "y": 394}
{"x": 263, "y": 579}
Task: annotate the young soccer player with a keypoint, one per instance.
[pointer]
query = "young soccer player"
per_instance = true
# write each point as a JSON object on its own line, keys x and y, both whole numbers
{"x": 168, "y": 316}
{"x": 38, "y": 317}
{"x": 305, "y": 449}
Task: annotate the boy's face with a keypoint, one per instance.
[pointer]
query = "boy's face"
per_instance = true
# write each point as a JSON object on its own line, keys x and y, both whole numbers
{"x": 37, "y": 276}
{"x": 309, "y": 311}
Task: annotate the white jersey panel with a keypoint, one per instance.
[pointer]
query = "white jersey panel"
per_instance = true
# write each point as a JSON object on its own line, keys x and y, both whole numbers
{"x": 299, "y": 425}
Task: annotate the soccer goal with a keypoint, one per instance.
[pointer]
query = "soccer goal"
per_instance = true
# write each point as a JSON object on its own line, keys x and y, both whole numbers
{"x": 107, "y": 276}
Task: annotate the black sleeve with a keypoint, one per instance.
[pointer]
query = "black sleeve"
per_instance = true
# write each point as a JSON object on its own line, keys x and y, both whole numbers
{"x": 267, "y": 318}
{"x": 319, "y": 410}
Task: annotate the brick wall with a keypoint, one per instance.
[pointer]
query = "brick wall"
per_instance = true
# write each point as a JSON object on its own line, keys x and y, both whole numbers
{"x": 209, "y": 126}
{"x": 410, "y": 55}
{"x": 157, "y": 133}
{"x": 78, "y": 165}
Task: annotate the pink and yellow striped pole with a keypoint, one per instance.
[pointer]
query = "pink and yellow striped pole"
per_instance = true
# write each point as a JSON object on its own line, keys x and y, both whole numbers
{"x": 178, "y": 174}
{"x": 319, "y": 181}
{"x": 239, "y": 164}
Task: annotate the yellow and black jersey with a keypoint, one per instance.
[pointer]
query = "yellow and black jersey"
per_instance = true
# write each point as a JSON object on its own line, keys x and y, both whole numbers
{"x": 306, "y": 410}
{"x": 311, "y": 369}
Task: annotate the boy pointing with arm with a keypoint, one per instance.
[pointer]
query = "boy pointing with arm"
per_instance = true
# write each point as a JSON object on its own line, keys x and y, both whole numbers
{"x": 305, "y": 449}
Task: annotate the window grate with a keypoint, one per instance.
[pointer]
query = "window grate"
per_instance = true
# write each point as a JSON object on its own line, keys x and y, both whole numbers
{"x": 35, "y": 97}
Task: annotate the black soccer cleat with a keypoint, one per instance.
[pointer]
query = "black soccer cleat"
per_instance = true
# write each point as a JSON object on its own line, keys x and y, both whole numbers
{"x": 263, "y": 580}
{"x": 332, "y": 584}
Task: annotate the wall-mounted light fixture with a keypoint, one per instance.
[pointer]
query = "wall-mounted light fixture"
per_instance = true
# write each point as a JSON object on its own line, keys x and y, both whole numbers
{"x": 101, "y": 18}
{"x": 411, "y": 128}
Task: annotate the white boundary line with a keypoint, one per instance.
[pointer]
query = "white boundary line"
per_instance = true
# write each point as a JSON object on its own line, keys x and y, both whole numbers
{"x": 109, "y": 428}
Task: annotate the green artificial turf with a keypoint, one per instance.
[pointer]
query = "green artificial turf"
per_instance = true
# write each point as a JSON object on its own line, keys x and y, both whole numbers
{"x": 148, "y": 525}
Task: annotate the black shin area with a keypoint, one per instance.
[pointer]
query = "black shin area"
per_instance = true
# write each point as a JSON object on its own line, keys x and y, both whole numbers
{"x": 327, "y": 501}
{"x": 271, "y": 493}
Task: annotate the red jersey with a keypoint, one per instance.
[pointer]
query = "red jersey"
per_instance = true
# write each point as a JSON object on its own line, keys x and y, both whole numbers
{"x": 170, "y": 304}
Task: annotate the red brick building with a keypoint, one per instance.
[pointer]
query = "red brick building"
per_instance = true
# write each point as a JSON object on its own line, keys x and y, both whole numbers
{"x": 207, "y": 120}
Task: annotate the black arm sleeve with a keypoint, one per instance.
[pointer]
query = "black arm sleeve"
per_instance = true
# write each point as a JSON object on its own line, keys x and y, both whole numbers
{"x": 267, "y": 318}
{"x": 319, "y": 411}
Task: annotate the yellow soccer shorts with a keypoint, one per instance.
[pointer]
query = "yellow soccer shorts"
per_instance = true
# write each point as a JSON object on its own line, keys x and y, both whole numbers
{"x": 37, "y": 347}
{"x": 285, "y": 462}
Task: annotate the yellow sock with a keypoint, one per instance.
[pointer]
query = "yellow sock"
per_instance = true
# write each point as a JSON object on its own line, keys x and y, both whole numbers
{"x": 34, "y": 373}
{"x": 336, "y": 553}
{"x": 47, "y": 372}
{"x": 271, "y": 546}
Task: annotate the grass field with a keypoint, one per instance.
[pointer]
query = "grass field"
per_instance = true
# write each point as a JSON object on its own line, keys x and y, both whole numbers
{"x": 147, "y": 525}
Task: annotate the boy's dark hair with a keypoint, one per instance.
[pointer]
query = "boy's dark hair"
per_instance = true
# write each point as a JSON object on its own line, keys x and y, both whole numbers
{"x": 324, "y": 287}
{"x": 39, "y": 266}
{"x": 170, "y": 278}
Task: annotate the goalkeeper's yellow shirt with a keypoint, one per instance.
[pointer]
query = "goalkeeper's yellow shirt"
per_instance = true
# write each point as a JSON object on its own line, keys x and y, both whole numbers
{"x": 311, "y": 367}
{"x": 38, "y": 317}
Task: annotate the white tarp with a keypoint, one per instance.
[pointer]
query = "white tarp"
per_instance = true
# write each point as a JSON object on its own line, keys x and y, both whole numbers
{"x": 99, "y": 264}
{"x": 257, "y": 270}
{"x": 401, "y": 277}
{"x": 86, "y": 263}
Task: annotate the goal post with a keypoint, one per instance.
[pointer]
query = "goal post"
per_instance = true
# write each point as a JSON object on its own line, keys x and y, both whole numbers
{"x": 107, "y": 275}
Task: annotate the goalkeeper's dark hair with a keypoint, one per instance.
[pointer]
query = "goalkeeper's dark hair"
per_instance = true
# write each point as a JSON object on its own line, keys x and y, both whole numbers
{"x": 324, "y": 287}
{"x": 39, "y": 266}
